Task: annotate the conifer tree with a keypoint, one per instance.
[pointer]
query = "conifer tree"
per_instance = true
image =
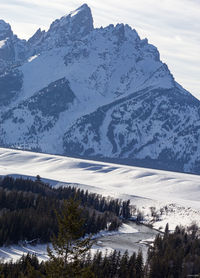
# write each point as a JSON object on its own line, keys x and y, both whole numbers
{"x": 166, "y": 230}
{"x": 139, "y": 265}
{"x": 68, "y": 247}
{"x": 123, "y": 272}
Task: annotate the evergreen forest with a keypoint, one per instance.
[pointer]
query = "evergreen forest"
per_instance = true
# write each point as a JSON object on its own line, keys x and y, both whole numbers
{"x": 27, "y": 210}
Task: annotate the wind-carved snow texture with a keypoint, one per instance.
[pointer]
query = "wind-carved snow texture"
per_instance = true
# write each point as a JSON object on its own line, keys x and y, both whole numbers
{"x": 104, "y": 93}
{"x": 175, "y": 196}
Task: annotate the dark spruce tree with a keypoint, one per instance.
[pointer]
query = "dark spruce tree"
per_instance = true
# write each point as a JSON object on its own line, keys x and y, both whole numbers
{"x": 69, "y": 249}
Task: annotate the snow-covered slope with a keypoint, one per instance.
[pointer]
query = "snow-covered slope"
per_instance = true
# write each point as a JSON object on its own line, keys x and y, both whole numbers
{"x": 95, "y": 92}
{"x": 175, "y": 195}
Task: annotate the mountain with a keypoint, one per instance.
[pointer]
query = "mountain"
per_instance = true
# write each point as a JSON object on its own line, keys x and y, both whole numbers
{"x": 95, "y": 92}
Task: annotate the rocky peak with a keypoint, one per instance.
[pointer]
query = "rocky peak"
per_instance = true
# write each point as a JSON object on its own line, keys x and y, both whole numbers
{"x": 5, "y": 30}
{"x": 36, "y": 37}
{"x": 73, "y": 26}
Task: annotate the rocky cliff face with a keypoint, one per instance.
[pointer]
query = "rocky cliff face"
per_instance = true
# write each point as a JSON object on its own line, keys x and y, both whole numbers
{"x": 77, "y": 90}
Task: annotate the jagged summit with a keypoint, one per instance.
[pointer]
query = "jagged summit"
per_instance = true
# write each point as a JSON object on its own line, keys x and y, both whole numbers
{"x": 75, "y": 25}
{"x": 4, "y": 25}
{"x": 5, "y": 30}
{"x": 82, "y": 9}
{"x": 36, "y": 37}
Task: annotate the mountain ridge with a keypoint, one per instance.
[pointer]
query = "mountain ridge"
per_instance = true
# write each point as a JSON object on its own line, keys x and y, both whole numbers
{"x": 97, "y": 92}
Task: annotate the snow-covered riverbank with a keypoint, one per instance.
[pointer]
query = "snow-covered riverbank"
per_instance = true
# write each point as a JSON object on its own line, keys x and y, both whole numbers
{"x": 129, "y": 237}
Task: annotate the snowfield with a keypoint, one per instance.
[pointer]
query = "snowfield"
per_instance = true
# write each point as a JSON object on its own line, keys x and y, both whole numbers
{"x": 175, "y": 196}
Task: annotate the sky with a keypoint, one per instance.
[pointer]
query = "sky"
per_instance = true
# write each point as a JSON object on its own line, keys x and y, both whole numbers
{"x": 173, "y": 26}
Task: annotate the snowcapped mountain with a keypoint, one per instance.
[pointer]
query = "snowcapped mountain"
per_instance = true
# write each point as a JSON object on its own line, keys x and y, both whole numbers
{"x": 104, "y": 93}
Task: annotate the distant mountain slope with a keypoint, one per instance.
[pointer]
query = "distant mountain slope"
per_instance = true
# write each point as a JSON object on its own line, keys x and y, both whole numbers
{"x": 159, "y": 126}
{"x": 95, "y": 92}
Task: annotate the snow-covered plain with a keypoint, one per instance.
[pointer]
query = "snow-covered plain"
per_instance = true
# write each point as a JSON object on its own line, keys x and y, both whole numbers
{"x": 174, "y": 195}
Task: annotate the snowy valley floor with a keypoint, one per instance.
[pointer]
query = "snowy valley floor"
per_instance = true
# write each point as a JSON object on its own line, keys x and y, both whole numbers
{"x": 172, "y": 197}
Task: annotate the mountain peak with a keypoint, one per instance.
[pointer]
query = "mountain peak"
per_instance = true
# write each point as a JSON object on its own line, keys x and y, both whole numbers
{"x": 36, "y": 37}
{"x": 82, "y": 19}
{"x": 84, "y": 8}
{"x": 5, "y": 30}
{"x": 75, "y": 25}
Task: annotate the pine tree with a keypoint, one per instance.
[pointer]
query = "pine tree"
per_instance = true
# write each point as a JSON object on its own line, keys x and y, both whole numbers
{"x": 139, "y": 265}
{"x": 68, "y": 247}
{"x": 123, "y": 271}
{"x": 167, "y": 230}
{"x": 131, "y": 266}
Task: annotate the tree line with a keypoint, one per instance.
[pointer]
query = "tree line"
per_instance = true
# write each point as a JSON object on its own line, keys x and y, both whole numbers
{"x": 27, "y": 210}
{"x": 112, "y": 265}
{"x": 173, "y": 255}
{"x": 92, "y": 200}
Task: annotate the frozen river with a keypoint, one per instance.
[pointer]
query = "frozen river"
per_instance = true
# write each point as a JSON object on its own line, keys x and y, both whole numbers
{"x": 131, "y": 237}
{"x": 133, "y": 242}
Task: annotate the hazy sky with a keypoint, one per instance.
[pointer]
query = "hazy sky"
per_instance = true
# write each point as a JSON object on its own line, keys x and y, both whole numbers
{"x": 173, "y": 26}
